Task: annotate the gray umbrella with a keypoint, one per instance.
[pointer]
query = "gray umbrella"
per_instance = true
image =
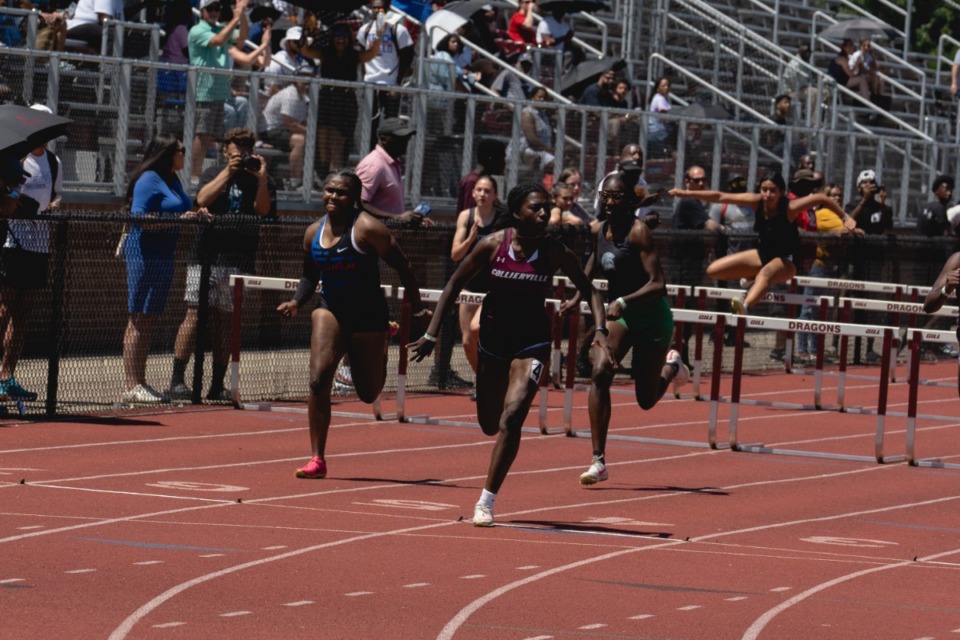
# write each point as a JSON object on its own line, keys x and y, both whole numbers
{"x": 857, "y": 28}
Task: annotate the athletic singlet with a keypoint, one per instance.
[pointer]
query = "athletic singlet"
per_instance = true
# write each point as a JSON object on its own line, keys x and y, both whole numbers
{"x": 350, "y": 286}
{"x": 779, "y": 238}
{"x": 620, "y": 264}
{"x": 479, "y": 282}
{"x": 512, "y": 319}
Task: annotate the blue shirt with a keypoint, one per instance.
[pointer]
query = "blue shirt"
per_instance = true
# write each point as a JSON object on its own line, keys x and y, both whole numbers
{"x": 153, "y": 194}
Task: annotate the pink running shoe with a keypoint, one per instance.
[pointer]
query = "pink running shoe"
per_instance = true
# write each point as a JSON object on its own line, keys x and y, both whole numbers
{"x": 315, "y": 469}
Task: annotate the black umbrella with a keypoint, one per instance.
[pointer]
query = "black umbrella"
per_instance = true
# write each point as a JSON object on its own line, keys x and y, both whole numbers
{"x": 264, "y": 12}
{"x": 857, "y": 28}
{"x": 325, "y": 12}
{"x": 23, "y": 129}
{"x": 570, "y": 6}
{"x": 705, "y": 111}
{"x": 574, "y": 82}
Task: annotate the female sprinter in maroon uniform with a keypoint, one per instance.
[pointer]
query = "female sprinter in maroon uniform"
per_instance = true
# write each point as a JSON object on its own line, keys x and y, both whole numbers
{"x": 514, "y": 331}
{"x": 343, "y": 249}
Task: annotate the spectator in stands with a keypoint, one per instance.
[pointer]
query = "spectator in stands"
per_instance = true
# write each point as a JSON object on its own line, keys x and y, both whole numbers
{"x": 660, "y": 132}
{"x": 473, "y": 225}
{"x": 773, "y": 261}
{"x": 536, "y": 139}
{"x": 555, "y": 32}
{"x": 598, "y": 94}
{"x": 209, "y": 45}
{"x": 486, "y": 23}
{"x": 392, "y": 58}
{"x": 447, "y": 71}
{"x": 572, "y": 177}
{"x": 864, "y": 65}
{"x": 795, "y": 79}
{"x": 285, "y": 117}
{"x": 352, "y": 316}
{"x": 177, "y": 21}
{"x": 509, "y": 85}
{"x": 154, "y": 194}
{"x": 285, "y": 61}
{"x": 866, "y": 259}
{"x": 942, "y": 289}
{"x": 514, "y": 333}
{"x": 825, "y": 265}
{"x": 51, "y": 30}
{"x": 840, "y": 70}
{"x": 563, "y": 200}
{"x": 638, "y": 316}
{"x": 237, "y": 106}
{"x": 521, "y": 26}
{"x": 88, "y": 18}
{"x": 687, "y": 253}
{"x": 382, "y": 176}
{"x": 238, "y": 194}
{"x": 491, "y": 158}
{"x": 24, "y": 259}
{"x": 734, "y": 222}
{"x": 622, "y": 97}
{"x": 338, "y": 61}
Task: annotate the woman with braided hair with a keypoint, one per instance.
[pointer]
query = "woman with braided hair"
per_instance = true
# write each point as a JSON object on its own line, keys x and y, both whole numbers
{"x": 343, "y": 249}
{"x": 514, "y": 344}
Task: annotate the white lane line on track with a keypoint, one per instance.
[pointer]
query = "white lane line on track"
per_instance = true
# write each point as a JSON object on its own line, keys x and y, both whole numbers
{"x": 642, "y": 616}
{"x": 690, "y": 607}
{"x": 299, "y": 603}
{"x": 235, "y": 614}
{"x": 168, "y": 625}
{"x": 416, "y": 585}
{"x": 79, "y": 571}
{"x": 12, "y": 580}
{"x": 356, "y": 594}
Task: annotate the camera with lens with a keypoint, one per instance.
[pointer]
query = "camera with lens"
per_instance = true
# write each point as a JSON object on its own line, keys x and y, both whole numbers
{"x": 249, "y": 163}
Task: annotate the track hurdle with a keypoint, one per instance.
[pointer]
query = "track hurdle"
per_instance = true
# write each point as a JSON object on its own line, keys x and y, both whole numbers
{"x": 826, "y": 328}
{"x": 240, "y": 285}
{"x": 914, "y": 338}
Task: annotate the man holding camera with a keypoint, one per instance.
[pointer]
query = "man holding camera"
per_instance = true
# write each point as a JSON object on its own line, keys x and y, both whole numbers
{"x": 238, "y": 195}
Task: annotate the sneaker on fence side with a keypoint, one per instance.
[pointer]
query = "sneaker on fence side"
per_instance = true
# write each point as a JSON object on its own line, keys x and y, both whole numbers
{"x": 180, "y": 391}
{"x": 945, "y": 351}
{"x": 219, "y": 395}
{"x": 313, "y": 470}
{"x": 777, "y": 354}
{"x": 12, "y": 389}
{"x": 596, "y": 473}
{"x": 482, "y": 516}
{"x": 682, "y": 375}
{"x": 141, "y": 394}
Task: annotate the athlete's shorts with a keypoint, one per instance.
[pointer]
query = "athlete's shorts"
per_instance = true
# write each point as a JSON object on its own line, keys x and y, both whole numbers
{"x": 220, "y": 293}
{"x": 649, "y": 323}
{"x": 361, "y": 314}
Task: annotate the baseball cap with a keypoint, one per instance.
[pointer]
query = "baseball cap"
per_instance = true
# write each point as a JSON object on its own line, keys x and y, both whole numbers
{"x": 737, "y": 184}
{"x": 866, "y": 176}
{"x": 399, "y": 127}
{"x": 292, "y": 34}
{"x": 206, "y": 3}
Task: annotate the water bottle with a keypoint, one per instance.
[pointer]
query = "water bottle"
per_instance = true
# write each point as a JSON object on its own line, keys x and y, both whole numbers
{"x": 381, "y": 20}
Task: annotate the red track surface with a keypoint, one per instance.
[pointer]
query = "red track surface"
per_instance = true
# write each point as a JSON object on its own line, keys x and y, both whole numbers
{"x": 130, "y": 527}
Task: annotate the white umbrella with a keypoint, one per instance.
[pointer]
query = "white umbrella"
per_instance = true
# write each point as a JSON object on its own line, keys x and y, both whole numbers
{"x": 442, "y": 23}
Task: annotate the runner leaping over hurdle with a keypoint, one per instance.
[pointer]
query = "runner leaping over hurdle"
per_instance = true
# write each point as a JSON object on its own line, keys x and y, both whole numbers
{"x": 772, "y": 262}
{"x": 942, "y": 289}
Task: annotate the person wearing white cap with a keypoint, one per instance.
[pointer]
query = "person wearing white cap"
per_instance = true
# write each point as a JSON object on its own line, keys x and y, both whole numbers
{"x": 209, "y": 43}
{"x": 25, "y": 260}
{"x": 284, "y": 61}
{"x": 875, "y": 218}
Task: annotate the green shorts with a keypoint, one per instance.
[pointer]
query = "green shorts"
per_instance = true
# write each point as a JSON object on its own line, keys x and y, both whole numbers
{"x": 649, "y": 323}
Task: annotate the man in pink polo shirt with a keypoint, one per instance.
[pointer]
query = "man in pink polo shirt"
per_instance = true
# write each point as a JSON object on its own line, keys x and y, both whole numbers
{"x": 382, "y": 176}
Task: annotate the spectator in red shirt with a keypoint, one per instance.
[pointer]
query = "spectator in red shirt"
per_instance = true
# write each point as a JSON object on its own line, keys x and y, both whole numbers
{"x": 521, "y": 27}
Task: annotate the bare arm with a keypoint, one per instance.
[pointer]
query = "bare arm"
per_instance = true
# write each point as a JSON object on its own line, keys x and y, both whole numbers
{"x": 308, "y": 280}
{"x": 565, "y": 259}
{"x": 463, "y": 238}
{"x": 945, "y": 285}
{"x": 740, "y": 199}
{"x": 371, "y": 234}
{"x": 475, "y": 262}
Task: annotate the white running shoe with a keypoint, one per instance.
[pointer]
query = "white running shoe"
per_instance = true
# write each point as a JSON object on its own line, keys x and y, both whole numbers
{"x": 482, "y": 516}
{"x": 141, "y": 394}
{"x": 596, "y": 473}
{"x": 344, "y": 376}
{"x": 745, "y": 283}
{"x": 738, "y": 307}
{"x": 683, "y": 373}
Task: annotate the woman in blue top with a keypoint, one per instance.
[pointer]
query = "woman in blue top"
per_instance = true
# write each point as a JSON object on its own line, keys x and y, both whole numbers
{"x": 343, "y": 249}
{"x": 154, "y": 193}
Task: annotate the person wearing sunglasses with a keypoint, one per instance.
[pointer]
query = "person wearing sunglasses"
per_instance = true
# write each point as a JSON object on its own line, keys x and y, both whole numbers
{"x": 514, "y": 344}
{"x": 209, "y": 43}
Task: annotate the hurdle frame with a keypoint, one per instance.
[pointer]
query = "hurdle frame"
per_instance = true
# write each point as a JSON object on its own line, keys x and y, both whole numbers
{"x": 915, "y": 337}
